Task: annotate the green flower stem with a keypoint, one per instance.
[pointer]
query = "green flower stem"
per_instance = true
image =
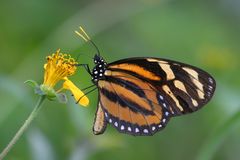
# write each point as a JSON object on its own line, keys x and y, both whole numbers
{"x": 23, "y": 128}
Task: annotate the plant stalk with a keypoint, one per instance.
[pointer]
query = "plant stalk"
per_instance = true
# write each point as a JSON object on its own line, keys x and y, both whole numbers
{"x": 23, "y": 128}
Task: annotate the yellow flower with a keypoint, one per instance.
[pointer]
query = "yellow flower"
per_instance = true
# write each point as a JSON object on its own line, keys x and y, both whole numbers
{"x": 77, "y": 93}
{"x": 58, "y": 67}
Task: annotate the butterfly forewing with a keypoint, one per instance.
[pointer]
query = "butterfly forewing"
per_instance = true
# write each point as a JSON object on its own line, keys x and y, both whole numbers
{"x": 182, "y": 87}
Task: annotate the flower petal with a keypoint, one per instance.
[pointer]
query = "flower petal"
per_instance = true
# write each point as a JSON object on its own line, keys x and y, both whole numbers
{"x": 77, "y": 93}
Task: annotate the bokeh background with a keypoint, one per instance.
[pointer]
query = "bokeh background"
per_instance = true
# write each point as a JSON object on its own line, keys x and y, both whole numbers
{"x": 204, "y": 33}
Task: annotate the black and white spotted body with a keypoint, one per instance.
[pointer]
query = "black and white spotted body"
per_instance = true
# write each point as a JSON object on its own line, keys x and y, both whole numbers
{"x": 99, "y": 69}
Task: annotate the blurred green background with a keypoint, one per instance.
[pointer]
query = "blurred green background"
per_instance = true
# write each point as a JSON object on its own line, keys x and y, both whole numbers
{"x": 202, "y": 33}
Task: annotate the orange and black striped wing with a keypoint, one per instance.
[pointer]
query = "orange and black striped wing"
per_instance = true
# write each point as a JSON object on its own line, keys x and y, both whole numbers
{"x": 131, "y": 105}
{"x": 181, "y": 87}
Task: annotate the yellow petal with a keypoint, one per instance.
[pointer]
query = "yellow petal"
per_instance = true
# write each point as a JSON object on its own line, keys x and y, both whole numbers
{"x": 77, "y": 93}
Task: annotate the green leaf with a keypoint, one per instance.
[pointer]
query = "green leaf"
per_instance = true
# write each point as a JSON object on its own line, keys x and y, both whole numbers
{"x": 32, "y": 83}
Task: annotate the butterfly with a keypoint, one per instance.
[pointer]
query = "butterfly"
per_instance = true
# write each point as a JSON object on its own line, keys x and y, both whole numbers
{"x": 139, "y": 95}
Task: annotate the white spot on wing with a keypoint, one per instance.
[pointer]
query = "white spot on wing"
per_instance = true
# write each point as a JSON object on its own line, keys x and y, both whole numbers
{"x": 153, "y": 128}
{"x": 198, "y": 84}
{"x": 192, "y": 72}
{"x": 156, "y": 60}
{"x": 178, "y": 84}
{"x": 209, "y": 94}
{"x": 195, "y": 81}
{"x": 169, "y": 92}
{"x": 122, "y": 127}
{"x": 145, "y": 130}
{"x": 161, "y": 97}
{"x": 106, "y": 115}
{"x": 210, "y": 80}
{"x": 164, "y": 105}
{"x": 210, "y": 87}
{"x": 195, "y": 103}
{"x": 166, "y": 68}
{"x": 116, "y": 124}
{"x": 200, "y": 94}
{"x": 164, "y": 120}
{"x": 136, "y": 130}
{"x": 129, "y": 129}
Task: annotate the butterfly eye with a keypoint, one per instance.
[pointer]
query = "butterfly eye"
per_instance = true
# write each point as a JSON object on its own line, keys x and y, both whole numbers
{"x": 97, "y": 59}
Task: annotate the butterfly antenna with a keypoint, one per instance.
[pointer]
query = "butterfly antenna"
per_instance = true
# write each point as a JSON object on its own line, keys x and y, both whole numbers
{"x": 86, "y": 38}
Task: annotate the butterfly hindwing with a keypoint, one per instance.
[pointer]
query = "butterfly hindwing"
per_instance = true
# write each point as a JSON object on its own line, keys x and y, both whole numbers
{"x": 129, "y": 108}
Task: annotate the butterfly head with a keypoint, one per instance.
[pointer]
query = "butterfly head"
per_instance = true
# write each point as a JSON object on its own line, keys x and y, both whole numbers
{"x": 99, "y": 69}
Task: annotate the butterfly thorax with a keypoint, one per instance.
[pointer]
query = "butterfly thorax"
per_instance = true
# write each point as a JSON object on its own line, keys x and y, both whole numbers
{"x": 99, "y": 69}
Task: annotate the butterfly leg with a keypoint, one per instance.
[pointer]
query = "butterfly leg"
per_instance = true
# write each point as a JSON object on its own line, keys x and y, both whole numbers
{"x": 86, "y": 67}
{"x": 88, "y": 87}
{"x": 86, "y": 94}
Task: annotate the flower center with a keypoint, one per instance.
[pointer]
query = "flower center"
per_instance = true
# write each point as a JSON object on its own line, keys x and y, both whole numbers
{"x": 58, "y": 66}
